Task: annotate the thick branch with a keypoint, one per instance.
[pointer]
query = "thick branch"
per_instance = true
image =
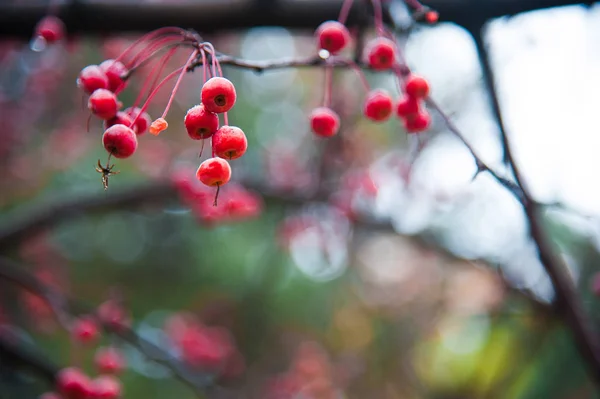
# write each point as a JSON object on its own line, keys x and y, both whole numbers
{"x": 13, "y": 354}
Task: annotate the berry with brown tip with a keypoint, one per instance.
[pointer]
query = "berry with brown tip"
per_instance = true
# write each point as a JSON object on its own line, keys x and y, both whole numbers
{"x": 381, "y": 53}
{"x": 92, "y": 78}
{"x": 229, "y": 142}
{"x": 378, "y": 105}
{"x": 214, "y": 172}
{"x": 85, "y": 330}
{"x": 200, "y": 123}
{"x": 324, "y": 122}
{"x": 104, "y": 104}
{"x": 218, "y": 95}
{"x": 332, "y": 36}
{"x": 120, "y": 141}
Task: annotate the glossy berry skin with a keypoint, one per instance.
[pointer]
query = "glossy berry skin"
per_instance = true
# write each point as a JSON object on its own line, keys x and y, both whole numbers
{"x": 92, "y": 78}
{"x": 332, "y": 36}
{"x": 229, "y": 142}
{"x": 381, "y": 54}
{"x": 416, "y": 87}
{"x": 120, "y": 141}
{"x": 214, "y": 172}
{"x": 85, "y": 330}
{"x": 200, "y": 123}
{"x": 418, "y": 123}
{"x": 104, "y": 104}
{"x": 324, "y": 122}
{"x": 407, "y": 106}
{"x": 51, "y": 28}
{"x": 378, "y": 106}
{"x": 121, "y": 118}
{"x": 72, "y": 383}
{"x": 109, "y": 360}
{"x": 218, "y": 95}
{"x": 142, "y": 123}
{"x": 114, "y": 70}
{"x": 106, "y": 387}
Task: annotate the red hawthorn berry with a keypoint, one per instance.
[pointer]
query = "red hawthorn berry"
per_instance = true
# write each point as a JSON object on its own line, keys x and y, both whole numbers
{"x": 142, "y": 123}
{"x": 214, "y": 172}
{"x": 114, "y": 70}
{"x": 332, "y": 36}
{"x": 113, "y": 315}
{"x": 432, "y": 17}
{"x": 419, "y": 123}
{"x": 106, "y": 387}
{"x": 229, "y": 142}
{"x": 85, "y": 330}
{"x": 200, "y": 123}
{"x": 120, "y": 141}
{"x": 104, "y": 104}
{"x": 407, "y": 106}
{"x": 324, "y": 122}
{"x": 381, "y": 53}
{"x": 122, "y": 118}
{"x": 218, "y": 95}
{"x": 109, "y": 360}
{"x": 416, "y": 87}
{"x": 50, "y": 395}
{"x": 51, "y": 28}
{"x": 92, "y": 78}
{"x": 72, "y": 383}
{"x": 378, "y": 105}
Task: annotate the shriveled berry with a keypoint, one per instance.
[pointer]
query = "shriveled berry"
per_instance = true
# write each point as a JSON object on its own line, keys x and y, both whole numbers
{"x": 324, "y": 122}
{"x": 106, "y": 387}
{"x": 378, "y": 105}
{"x": 214, "y": 172}
{"x": 229, "y": 142}
{"x": 109, "y": 360}
{"x": 218, "y": 95}
{"x": 407, "y": 106}
{"x": 419, "y": 123}
{"x": 416, "y": 87}
{"x": 158, "y": 126}
{"x": 121, "y": 118}
{"x": 85, "y": 330}
{"x": 332, "y": 36}
{"x": 51, "y": 28}
{"x": 142, "y": 123}
{"x": 381, "y": 53}
{"x": 120, "y": 141}
{"x": 200, "y": 123}
{"x": 72, "y": 383}
{"x": 92, "y": 78}
{"x": 104, "y": 104}
{"x": 114, "y": 71}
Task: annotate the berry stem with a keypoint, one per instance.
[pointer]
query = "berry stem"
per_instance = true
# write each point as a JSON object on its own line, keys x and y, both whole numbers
{"x": 217, "y": 195}
{"x": 344, "y": 11}
{"x": 225, "y": 119}
{"x": 328, "y": 85}
{"x": 150, "y": 57}
{"x": 378, "y": 17}
{"x": 156, "y": 72}
{"x": 179, "y": 79}
{"x": 361, "y": 75}
{"x": 150, "y": 36}
{"x": 204, "y": 67}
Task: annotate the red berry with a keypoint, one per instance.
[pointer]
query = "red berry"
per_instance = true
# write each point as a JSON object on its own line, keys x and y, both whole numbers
{"x": 432, "y": 17}
{"x": 113, "y": 315}
{"x": 85, "y": 330}
{"x": 218, "y": 95}
{"x": 92, "y": 78}
{"x": 114, "y": 70}
{"x": 229, "y": 142}
{"x": 324, "y": 122}
{"x": 214, "y": 172}
{"x": 72, "y": 383}
{"x": 104, "y": 104}
{"x": 407, "y": 106}
{"x": 200, "y": 123}
{"x": 50, "y": 28}
{"x": 142, "y": 123}
{"x": 332, "y": 36}
{"x": 109, "y": 360}
{"x": 381, "y": 53}
{"x": 120, "y": 141}
{"x": 106, "y": 387}
{"x": 121, "y": 118}
{"x": 420, "y": 122}
{"x": 378, "y": 105}
{"x": 416, "y": 87}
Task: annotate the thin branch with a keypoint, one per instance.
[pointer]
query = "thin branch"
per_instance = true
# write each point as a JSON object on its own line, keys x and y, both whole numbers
{"x": 14, "y": 354}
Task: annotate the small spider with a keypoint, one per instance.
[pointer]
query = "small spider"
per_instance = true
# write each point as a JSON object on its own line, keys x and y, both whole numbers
{"x": 106, "y": 172}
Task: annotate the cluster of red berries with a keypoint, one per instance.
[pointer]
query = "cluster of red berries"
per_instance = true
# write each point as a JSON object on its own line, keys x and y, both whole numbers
{"x": 381, "y": 55}
{"x": 74, "y": 383}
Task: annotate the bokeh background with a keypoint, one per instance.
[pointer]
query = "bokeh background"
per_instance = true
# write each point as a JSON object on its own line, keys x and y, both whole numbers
{"x": 364, "y": 268}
